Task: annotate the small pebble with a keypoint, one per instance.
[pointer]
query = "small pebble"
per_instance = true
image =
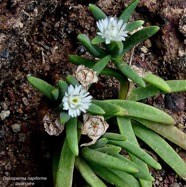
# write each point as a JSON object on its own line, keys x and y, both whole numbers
{"x": 5, "y": 53}
{"x": 4, "y": 114}
{"x": 16, "y": 127}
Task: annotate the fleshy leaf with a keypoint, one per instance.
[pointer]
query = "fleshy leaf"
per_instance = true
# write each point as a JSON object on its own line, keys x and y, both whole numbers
{"x": 157, "y": 82}
{"x": 92, "y": 49}
{"x": 134, "y": 25}
{"x": 72, "y": 135}
{"x": 139, "y": 37}
{"x": 143, "y": 93}
{"x": 87, "y": 173}
{"x": 125, "y": 128}
{"x": 71, "y": 80}
{"x": 98, "y": 40}
{"x": 125, "y": 15}
{"x": 100, "y": 65}
{"x": 42, "y": 86}
{"x": 65, "y": 167}
{"x": 95, "y": 109}
{"x": 175, "y": 135}
{"x": 143, "y": 111}
{"x": 64, "y": 117}
{"x": 162, "y": 148}
{"x": 63, "y": 87}
{"x": 55, "y": 93}
{"x": 97, "y": 12}
{"x": 129, "y": 72}
{"x": 177, "y": 85}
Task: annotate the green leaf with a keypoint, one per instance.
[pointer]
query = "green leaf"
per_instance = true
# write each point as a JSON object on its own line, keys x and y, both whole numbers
{"x": 110, "y": 109}
{"x": 64, "y": 117}
{"x": 157, "y": 82}
{"x": 100, "y": 65}
{"x": 108, "y": 161}
{"x": 42, "y": 86}
{"x": 114, "y": 136}
{"x": 125, "y": 128}
{"x": 143, "y": 111}
{"x": 139, "y": 37}
{"x": 134, "y": 25}
{"x": 78, "y": 60}
{"x": 140, "y": 93}
{"x": 72, "y": 135}
{"x": 97, "y": 12}
{"x": 95, "y": 109}
{"x": 109, "y": 176}
{"x": 63, "y": 87}
{"x": 162, "y": 148}
{"x": 109, "y": 149}
{"x": 177, "y": 85}
{"x": 150, "y": 90}
{"x": 137, "y": 151}
{"x": 65, "y": 167}
{"x": 115, "y": 48}
{"x": 71, "y": 80}
{"x": 88, "y": 174}
{"x": 129, "y": 72}
{"x": 98, "y": 40}
{"x": 129, "y": 179}
{"x": 55, "y": 93}
{"x": 92, "y": 49}
{"x": 175, "y": 135}
{"x": 75, "y": 59}
{"x": 125, "y": 15}
{"x": 99, "y": 143}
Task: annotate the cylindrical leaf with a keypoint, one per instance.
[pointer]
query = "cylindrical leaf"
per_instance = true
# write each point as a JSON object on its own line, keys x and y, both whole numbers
{"x": 42, "y": 86}
{"x": 106, "y": 160}
{"x": 110, "y": 109}
{"x": 94, "y": 50}
{"x": 125, "y": 15}
{"x": 157, "y": 82}
{"x": 72, "y": 135}
{"x": 125, "y": 128}
{"x": 114, "y": 136}
{"x": 138, "y": 152}
{"x": 87, "y": 173}
{"x": 134, "y": 25}
{"x": 63, "y": 87}
{"x": 129, "y": 72}
{"x": 109, "y": 176}
{"x": 139, "y": 37}
{"x": 177, "y": 85}
{"x": 100, "y": 65}
{"x": 175, "y": 135}
{"x": 162, "y": 148}
{"x": 143, "y": 111}
{"x": 71, "y": 80}
{"x": 95, "y": 109}
{"x": 64, "y": 117}
{"x": 65, "y": 167}
{"x": 97, "y": 12}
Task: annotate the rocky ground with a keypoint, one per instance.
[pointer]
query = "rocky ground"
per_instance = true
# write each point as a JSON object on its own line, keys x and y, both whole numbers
{"x": 36, "y": 38}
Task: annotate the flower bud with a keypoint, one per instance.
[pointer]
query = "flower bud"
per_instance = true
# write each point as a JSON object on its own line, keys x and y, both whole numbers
{"x": 52, "y": 124}
{"x": 85, "y": 76}
{"x": 93, "y": 127}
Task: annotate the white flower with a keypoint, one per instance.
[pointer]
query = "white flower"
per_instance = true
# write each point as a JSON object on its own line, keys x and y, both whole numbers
{"x": 77, "y": 99}
{"x": 93, "y": 127}
{"x": 85, "y": 76}
{"x": 112, "y": 29}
